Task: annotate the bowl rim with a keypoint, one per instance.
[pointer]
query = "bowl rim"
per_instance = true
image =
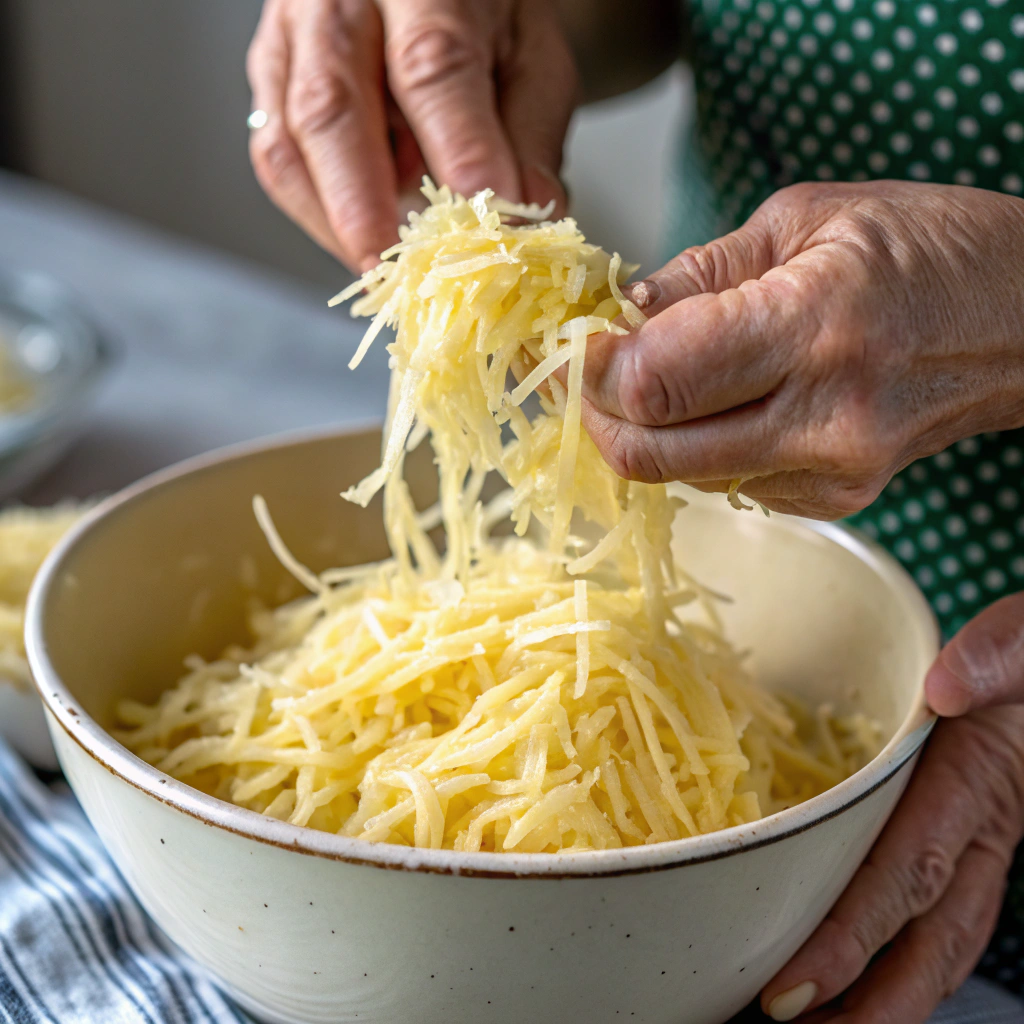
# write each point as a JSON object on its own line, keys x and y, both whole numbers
{"x": 116, "y": 759}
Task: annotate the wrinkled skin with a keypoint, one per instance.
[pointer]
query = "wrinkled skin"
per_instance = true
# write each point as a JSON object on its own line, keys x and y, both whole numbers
{"x": 933, "y": 884}
{"x": 843, "y": 332}
{"x": 364, "y": 98}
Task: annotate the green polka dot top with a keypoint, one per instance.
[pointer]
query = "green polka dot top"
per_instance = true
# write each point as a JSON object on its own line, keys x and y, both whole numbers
{"x": 852, "y": 90}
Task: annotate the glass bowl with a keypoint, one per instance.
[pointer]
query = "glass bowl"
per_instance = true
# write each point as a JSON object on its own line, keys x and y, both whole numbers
{"x": 51, "y": 359}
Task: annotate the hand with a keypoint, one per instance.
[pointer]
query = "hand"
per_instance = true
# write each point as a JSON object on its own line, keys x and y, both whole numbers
{"x": 933, "y": 884}
{"x": 363, "y": 98}
{"x": 843, "y": 332}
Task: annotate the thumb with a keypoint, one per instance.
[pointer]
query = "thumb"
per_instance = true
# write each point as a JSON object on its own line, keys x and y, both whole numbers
{"x": 709, "y": 345}
{"x": 983, "y": 665}
{"x": 743, "y": 255}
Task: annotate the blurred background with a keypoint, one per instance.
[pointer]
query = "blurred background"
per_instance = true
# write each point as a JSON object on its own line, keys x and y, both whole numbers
{"x": 141, "y": 107}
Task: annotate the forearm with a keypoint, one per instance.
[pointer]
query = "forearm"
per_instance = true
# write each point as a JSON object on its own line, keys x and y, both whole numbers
{"x": 620, "y": 46}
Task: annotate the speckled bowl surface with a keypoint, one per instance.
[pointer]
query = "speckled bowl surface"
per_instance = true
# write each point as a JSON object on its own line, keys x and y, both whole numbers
{"x": 302, "y": 926}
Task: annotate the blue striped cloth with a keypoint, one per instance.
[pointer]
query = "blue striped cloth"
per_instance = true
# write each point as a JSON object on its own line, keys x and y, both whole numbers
{"x": 76, "y": 947}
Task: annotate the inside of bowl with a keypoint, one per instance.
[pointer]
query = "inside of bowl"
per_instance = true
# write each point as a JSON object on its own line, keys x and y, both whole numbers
{"x": 824, "y": 614}
{"x": 171, "y": 570}
{"x": 174, "y": 569}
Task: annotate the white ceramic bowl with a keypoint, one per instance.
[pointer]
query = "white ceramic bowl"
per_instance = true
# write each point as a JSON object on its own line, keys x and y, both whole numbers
{"x": 302, "y": 926}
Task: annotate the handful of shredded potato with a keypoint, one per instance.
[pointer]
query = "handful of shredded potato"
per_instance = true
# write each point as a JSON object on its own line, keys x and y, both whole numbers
{"x": 504, "y": 694}
{"x": 27, "y": 535}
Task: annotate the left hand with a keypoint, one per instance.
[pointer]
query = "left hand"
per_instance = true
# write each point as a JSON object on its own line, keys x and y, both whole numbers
{"x": 843, "y": 332}
{"x": 934, "y": 882}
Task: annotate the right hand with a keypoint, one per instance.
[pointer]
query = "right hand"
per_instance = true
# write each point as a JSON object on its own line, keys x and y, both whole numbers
{"x": 363, "y": 98}
{"x": 930, "y": 891}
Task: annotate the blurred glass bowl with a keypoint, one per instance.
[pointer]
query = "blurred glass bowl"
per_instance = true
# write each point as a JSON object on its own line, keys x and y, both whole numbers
{"x": 51, "y": 359}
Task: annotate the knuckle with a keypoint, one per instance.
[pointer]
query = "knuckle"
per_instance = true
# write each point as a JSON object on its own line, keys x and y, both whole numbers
{"x": 846, "y": 498}
{"x": 430, "y": 55}
{"x": 648, "y": 398}
{"x": 856, "y": 463}
{"x": 606, "y": 435}
{"x": 925, "y": 877}
{"x": 317, "y": 100}
{"x": 792, "y": 197}
{"x": 628, "y": 456}
{"x": 996, "y": 772}
{"x": 985, "y": 663}
{"x": 953, "y": 950}
{"x": 642, "y": 465}
{"x": 848, "y": 951}
{"x": 713, "y": 266}
{"x": 698, "y": 263}
{"x": 957, "y": 942}
{"x": 471, "y": 165}
{"x": 864, "y": 937}
{"x": 254, "y": 60}
{"x": 273, "y": 156}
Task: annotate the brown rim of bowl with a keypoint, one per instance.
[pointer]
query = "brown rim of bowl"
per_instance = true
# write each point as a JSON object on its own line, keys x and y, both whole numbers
{"x": 121, "y": 763}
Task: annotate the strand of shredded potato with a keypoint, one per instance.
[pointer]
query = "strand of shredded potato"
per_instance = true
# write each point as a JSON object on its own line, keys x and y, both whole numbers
{"x": 27, "y": 535}
{"x": 508, "y": 694}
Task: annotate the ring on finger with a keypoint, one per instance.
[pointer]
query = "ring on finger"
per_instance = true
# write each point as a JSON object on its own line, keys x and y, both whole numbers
{"x": 257, "y": 119}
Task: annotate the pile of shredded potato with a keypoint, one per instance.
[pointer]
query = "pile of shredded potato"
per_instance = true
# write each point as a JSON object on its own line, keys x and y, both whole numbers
{"x": 504, "y": 693}
{"x": 27, "y": 535}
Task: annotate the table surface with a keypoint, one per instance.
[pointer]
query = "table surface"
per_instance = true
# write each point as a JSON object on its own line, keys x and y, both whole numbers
{"x": 209, "y": 350}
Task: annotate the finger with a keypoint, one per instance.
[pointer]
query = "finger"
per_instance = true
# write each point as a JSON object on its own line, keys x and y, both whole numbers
{"x": 409, "y": 163}
{"x": 756, "y": 444}
{"x": 907, "y": 872}
{"x": 707, "y": 353}
{"x": 335, "y": 112}
{"x": 441, "y": 72}
{"x": 538, "y": 88}
{"x": 743, "y": 255}
{"x": 935, "y": 953}
{"x": 766, "y": 491}
{"x": 276, "y": 159}
{"x": 983, "y": 665}
{"x": 752, "y": 441}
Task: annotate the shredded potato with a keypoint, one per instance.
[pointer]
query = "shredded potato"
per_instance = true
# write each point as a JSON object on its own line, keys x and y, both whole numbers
{"x": 502, "y": 693}
{"x": 27, "y": 535}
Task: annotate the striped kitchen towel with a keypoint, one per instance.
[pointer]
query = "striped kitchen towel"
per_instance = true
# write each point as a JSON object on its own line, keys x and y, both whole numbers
{"x": 76, "y": 947}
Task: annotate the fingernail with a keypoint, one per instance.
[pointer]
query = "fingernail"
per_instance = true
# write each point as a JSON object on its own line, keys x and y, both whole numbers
{"x": 793, "y": 1001}
{"x": 645, "y": 293}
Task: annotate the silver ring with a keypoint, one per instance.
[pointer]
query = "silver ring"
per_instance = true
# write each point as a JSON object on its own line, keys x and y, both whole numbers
{"x": 257, "y": 119}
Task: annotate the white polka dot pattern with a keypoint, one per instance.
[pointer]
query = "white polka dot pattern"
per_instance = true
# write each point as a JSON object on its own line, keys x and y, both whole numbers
{"x": 954, "y": 520}
{"x": 924, "y": 91}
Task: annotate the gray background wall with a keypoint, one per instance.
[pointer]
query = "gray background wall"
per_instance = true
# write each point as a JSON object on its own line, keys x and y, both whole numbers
{"x": 140, "y": 105}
